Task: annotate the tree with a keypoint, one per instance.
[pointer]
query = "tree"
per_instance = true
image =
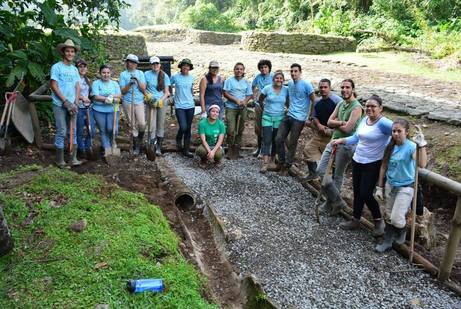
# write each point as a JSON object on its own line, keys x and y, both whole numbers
{"x": 30, "y": 30}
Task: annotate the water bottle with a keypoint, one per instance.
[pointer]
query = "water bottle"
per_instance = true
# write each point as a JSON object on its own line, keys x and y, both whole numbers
{"x": 143, "y": 285}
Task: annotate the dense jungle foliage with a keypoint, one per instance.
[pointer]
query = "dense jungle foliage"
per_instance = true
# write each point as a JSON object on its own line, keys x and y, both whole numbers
{"x": 31, "y": 29}
{"x": 433, "y": 26}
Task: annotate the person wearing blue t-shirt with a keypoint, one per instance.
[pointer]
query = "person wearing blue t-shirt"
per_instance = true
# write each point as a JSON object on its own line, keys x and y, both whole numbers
{"x": 106, "y": 96}
{"x": 158, "y": 83}
{"x": 184, "y": 104}
{"x": 84, "y": 110}
{"x": 133, "y": 88}
{"x": 65, "y": 93}
{"x": 399, "y": 168}
{"x": 263, "y": 79}
{"x": 237, "y": 91}
{"x": 301, "y": 94}
{"x": 273, "y": 99}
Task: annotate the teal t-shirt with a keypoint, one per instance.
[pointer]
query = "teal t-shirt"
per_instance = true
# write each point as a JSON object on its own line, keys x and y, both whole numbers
{"x": 67, "y": 78}
{"x": 274, "y": 104}
{"x": 211, "y": 131}
{"x": 125, "y": 77}
{"x": 299, "y": 92}
{"x": 401, "y": 167}
{"x": 237, "y": 88}
{"x": 103, "y": 88}
{"x": 152, "y": 82}
{"x": 183, "y": 84}
{"x": 262, "y": 81}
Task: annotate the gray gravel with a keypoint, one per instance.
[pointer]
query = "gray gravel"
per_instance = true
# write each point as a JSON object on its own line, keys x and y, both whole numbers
{"x": 300, "y": 263}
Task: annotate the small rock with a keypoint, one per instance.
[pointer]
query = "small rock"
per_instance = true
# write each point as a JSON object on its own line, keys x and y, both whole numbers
{"x": 78, "y": 226}
{"x": 101, "y": 306}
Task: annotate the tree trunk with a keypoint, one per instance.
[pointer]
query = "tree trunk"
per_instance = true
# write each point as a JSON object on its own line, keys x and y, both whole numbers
{"x": 6, "y": 242}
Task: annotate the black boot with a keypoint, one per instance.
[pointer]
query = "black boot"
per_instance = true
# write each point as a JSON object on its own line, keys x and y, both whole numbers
{"x": 258, "y": 150}
{"x": 178, "y": 144}
{"x": 400, "y": 234}
{"x": 60, "y": 158}
{"x": 186, "y": 151}
{"x": 137, "y": 148}
{"x": 158, "y": 147}
{"x": 135, "y": 145}
{"x": 312, "y": 166}
{"x": 389, "y": 234}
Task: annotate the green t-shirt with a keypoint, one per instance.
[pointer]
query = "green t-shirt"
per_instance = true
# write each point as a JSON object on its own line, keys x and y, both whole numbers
{"x": 344, "y": 113}
{"x": 211, "y": 131}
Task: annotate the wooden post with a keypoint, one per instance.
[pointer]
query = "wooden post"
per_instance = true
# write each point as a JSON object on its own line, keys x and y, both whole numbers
{"x": 452, "y": 244}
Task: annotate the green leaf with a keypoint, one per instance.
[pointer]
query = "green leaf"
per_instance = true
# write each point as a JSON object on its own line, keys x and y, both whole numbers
{"x": 15, "y": 74}
{"x": 49, "y": 14}
{"x": 3, "y": 47}
{"x": 36, "y": 70}
{"x": 19, "y": 54}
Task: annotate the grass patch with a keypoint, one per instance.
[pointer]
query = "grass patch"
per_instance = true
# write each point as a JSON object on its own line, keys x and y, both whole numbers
{"x": 125, "y": 238}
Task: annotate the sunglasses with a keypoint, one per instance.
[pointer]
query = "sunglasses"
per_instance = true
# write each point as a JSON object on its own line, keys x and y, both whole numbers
{"x": 371, "y": 106}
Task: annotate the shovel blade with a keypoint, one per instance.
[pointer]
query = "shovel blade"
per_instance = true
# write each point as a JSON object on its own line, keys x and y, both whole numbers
{"x": 150, "y": 152}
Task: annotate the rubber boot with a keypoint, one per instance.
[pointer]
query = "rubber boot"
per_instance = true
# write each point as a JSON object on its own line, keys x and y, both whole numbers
{"x": 265, "y": 165}
{"x": 158, "y": 147}
{"x": 283, "y": 170}
{"x": 75, "y": 161}
{"x": 137, "y": 145}
{"x": 379, "y": 228}
{"x": 60, "y": 158}
{"x": 312, "y": 166}
{"x": 389, "y": 233}
{"x": 325, "y": 208}
{"x": 178, "y": 144}
{"x": 400, "y": 234}
{"x": 353, "y": 224}
{"x": 186, "y": 151}
{"x": 258, "y": 150}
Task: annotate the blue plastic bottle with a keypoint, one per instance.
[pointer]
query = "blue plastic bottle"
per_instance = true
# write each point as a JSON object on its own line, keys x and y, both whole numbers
{"x": 143, "y": 285}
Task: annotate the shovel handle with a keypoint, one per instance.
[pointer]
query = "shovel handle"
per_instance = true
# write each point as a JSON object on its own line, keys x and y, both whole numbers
{"x": 71, "y": 136}
{"x": 331, "y": 160}
{"x": 413, "y": 209}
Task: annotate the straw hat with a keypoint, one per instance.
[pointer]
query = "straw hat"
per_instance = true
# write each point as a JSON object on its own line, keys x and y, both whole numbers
{"x": 67, "y": 43}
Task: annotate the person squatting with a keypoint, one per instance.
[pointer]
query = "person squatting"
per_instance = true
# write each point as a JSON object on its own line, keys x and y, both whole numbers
{"x": 383, "y": 158}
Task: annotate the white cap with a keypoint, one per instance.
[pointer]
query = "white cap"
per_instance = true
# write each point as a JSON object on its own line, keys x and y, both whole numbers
{"x": 154, "y": 59}
{"x": 132, "y": 58}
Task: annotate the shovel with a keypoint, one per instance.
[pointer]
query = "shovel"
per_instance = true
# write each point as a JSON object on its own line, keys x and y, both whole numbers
{"x": 112, "y": 153}
{"x": 132, "y": 121}
{"x": 329, "y": 189}
{"x": 233, "y": 151}
{"x": 150, "y": 147}
{"x": 10, "y": 98}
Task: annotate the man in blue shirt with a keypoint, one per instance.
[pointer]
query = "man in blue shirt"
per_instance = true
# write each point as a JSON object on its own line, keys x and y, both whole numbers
{"x": 237, "y": 91}
{"x": 65, "y": 92}
{"x": 261, "y": 80}
{"x": 301, "y": 96}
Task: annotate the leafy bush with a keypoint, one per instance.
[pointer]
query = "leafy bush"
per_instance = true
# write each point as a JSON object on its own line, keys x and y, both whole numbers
{"x": 205, "y": 16}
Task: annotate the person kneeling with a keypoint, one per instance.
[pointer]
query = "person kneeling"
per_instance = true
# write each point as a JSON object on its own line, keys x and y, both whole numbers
{"x": 211, "y": 131}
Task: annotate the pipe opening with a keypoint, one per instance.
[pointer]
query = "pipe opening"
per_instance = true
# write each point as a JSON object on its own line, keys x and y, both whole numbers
{"x": 185, "y": 201}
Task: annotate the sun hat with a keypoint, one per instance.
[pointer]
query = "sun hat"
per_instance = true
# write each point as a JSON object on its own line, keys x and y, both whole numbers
{"x": 186, "y": 61}
{"x": 214, "y": 64}
{"x": 213, "y": 106}
{"x": 132, "y": 58}
{"x": 67, "y": 43}
{"x": 154, "y": 59}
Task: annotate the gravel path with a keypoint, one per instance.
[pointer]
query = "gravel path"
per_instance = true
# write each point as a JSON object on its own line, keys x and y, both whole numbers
{"x": 300, "y": 263}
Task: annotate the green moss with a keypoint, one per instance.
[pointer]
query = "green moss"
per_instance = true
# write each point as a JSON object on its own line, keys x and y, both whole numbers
{"x": 52, "y": 266}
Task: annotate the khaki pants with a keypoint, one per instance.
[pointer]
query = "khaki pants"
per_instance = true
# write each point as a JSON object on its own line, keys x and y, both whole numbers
{"x": 314, "y": 148}
{"x": 157, "y": 120}
{"x": 202, "y": 153}
{"x": 398, "y": 202}
{"x": 139, "y": 122}
{"x": 234, "y": 134}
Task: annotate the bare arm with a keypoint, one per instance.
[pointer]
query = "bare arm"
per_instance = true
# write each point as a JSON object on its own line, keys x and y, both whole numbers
{"x": 57, "y": 92}
{"x": 231, "y": 98}
{"x": 382, "y": 173}
{"x": 247, "y": 98}
{"x": 166, "y": 93}
{"x": 204, "y": 143}
{"x": 422, "y": 162}
{"x": 77, "y": 92}
{"x": 261, "y": 99}
{"x": 349, "y": 125}
{"x": 333, "y": 121}
{"x": 311, "y": 105}
{"x": 202, "y": 87}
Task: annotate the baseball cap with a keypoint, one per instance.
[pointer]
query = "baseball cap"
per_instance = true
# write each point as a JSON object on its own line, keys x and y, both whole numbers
{"x": 154, "y": 59}
{"x": 132, "y": 58}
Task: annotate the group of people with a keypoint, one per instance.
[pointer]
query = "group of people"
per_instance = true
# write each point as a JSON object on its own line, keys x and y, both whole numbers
{"x": 382, "y": 155}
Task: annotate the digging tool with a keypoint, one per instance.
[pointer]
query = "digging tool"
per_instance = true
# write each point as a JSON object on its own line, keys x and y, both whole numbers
{"x": 413, "y": 209}
{"x": 22, "y": 118}
{"x": 132, "y": 121}
{"x": 332, "y": 193}
{"x": 10, "y": 97}
{"x": 71, "y": 137}
{"x": 150, "y": 146}
{"x": 233, "y": 151}
{"x": 112, "y": 153}
{"x": 327, "y": 181}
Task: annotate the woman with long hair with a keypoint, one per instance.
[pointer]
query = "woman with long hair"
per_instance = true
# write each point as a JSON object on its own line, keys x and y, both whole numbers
{"x": 211, "y": 90}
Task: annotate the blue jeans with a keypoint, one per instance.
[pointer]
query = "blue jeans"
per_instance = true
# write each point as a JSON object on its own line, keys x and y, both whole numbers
{"x": 62, "y": 119}
{"x": 293, "y": 128}
{"x": 343, "y": 157}
{"x": 105, "y": 122}
{"x": 185, "y": 117}
{"x": 84, "y": 142}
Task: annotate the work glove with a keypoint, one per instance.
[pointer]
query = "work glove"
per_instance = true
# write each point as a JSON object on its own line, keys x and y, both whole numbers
{"x": 379, "y": 193}
{"x": 149, "y": 100}
{"x": 160, "y": 103}
{"x": 109, "y": 100}
{"x": 71, "y": 108}
{"x": 418, "y": 138}
{"x": 203, "y": 115}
